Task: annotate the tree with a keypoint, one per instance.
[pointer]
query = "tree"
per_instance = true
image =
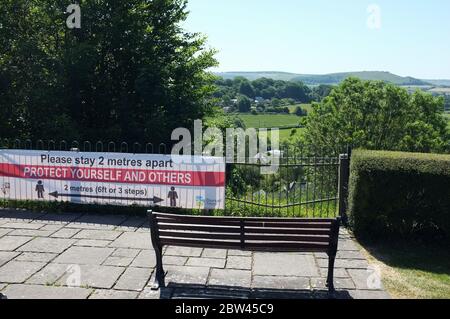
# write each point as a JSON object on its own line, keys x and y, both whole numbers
{"x": 299, "y": 111}
{"x": 128, "y": 69}
{"x": 244, "y": 104}
{"x": 376, "y": 115}
{"x": 320, "y": 92}
{"x": 247, "y": 89}
{"x": 295, "y": 90}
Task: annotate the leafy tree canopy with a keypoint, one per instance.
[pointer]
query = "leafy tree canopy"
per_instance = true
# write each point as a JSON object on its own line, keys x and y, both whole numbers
{"x": 130, "y": 73}
{"x": 379, "y": 116}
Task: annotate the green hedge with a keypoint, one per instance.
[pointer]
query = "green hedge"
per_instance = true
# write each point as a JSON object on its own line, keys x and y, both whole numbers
{"x": 399, "y": 195}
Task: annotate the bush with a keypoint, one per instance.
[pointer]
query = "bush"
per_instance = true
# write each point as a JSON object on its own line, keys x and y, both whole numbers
{"x": 400, "y": 195}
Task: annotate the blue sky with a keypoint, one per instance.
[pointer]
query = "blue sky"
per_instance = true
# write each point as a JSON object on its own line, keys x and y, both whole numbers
{"x": 325, "y": 36}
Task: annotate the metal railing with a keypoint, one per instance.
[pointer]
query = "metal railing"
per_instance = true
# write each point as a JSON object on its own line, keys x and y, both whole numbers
{"x": 304, "y": 184}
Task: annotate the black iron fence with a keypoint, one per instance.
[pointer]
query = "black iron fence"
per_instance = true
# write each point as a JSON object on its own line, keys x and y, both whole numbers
{"x": 301, "y": 184}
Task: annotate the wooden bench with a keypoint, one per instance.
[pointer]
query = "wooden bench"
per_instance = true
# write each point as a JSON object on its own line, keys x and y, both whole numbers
{"x": 248, "y": 234}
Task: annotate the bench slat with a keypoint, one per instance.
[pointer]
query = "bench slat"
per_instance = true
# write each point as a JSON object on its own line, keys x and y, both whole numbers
{"x": 248, "y": 230}
{"x": 287, "y": 246}
{"x": 270, "y": 224}
{"x": 237, "y": 237}
{"x": 212, "y": 219}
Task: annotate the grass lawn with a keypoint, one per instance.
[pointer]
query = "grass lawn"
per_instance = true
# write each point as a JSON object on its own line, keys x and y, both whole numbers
{"x": 413, "y": 271}
{"x": 287, "y": 134}
{"x": 269, "y": 120}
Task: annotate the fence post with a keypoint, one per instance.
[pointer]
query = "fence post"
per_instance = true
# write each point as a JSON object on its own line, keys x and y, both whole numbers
{"x": 344, "y": 176}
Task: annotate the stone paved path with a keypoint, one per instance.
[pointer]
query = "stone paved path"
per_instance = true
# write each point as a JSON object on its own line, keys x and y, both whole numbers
{"x": 92, "y": 256}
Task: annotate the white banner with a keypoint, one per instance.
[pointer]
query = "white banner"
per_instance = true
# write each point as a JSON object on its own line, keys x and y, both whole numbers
{"x": 113, "y": 178}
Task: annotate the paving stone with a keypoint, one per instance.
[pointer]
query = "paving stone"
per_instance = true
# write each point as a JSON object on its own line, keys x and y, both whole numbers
{"x": 19, "y": 271}
{"x": 369, "y": 294}
{"x": 174, "y": 260}
{"x": 162, "y": 293}
{"x": 230, "y": 278}
{"x": 133, "y": 240}
{"x": 177, "y": 275}
{"x": 337, "y": 273}
{"x": 42, "y": 257}
{"x": 339, "y": 283}
{"x": 206, "y": 262}
{"x": 18, "y": 215}
{"x": 97, "y": 222}
{"x": 84, "y": 255}
{"x": 183, "y": 251}
{"x": 145, "y": 259}
{"x": 4, "y": 231}
{"x": 348, "y": 254}
{"x": 92, "y": 243}
{"x": 98, "y": 234}
{"x": 232, "y": 252}
{"x": 125, "y": 252}
{"x": 345, "y": 263}
{"x": 281, "y": 264}
{"x": 47, "y": 245}
{"x": 143, "y": 229}
{"x": 31, "y": 233}
{"x": 6, "y": 256}
{"x": 113, "y": 294}
{"x": 214, "y": 253}
{"x": 52, "y": 227}
{"x": 239, "y": 262}
{"x": 2, "y": 286}
{"x": 277, "y": 282}
{"x": 49, "y": 274}
{"x": 92, "y": 276}
{"x": 118, "y": 261}
{"x": 66, "y": 233}
{"x": 132, "y": 223}
{"x": 133, "y": 279}
{"x": 366, "y": 279}
{"x": 9, "y": 243}
{"x": 45, "y": 292}
{"x": 347, "y": 244}
{"x": 18, "y": 225}
{"x": 55, "y": 218}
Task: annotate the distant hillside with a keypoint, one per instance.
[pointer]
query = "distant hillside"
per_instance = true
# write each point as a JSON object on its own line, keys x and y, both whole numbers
{"x": 439, "y": 82}
{"x": 334, "y": 78}
{"x": 251, "y": 76}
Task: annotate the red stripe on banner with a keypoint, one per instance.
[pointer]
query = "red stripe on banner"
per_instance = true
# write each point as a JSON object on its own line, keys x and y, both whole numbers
{"x": 113, "y": 175}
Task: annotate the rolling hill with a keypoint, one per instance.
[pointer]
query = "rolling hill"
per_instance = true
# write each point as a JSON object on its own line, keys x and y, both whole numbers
{"x": 334, "y": 78}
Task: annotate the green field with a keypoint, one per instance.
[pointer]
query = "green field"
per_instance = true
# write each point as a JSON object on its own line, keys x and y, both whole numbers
{"x": 269, "y": 120}
{"x": 287, "y": 134}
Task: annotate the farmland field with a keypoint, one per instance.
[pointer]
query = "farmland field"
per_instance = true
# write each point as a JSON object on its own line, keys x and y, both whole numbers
{"x": 269, "y": 120}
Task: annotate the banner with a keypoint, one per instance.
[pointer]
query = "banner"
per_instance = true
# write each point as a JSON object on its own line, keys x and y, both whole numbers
{"x": 113, "y": 178}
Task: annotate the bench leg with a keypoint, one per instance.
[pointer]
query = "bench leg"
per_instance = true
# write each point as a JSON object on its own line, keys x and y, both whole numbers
{"x": 159, "y": 272}
{"x": 330, "y": 280}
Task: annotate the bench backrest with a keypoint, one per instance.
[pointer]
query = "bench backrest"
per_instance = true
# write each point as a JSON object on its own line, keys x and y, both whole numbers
{"x": 254, "y": 234}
